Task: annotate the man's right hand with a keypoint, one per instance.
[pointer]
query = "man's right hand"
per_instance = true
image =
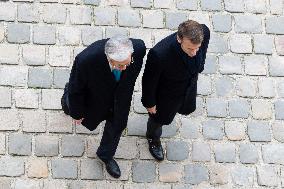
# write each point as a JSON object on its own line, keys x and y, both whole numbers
{"x": 78, "y": 122}
{"x": 152, "y": 110}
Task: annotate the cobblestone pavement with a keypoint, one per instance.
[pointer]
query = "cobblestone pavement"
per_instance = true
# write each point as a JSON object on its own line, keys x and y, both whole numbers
{"x": 233, "y": 140}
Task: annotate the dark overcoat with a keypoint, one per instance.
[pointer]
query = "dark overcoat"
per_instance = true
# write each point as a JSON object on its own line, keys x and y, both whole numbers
{"x": 170, "y": 78}
{"x": 93, "y": 92}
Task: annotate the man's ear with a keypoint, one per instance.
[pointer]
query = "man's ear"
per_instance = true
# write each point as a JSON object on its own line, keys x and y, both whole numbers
{"x": 178, "y": 39}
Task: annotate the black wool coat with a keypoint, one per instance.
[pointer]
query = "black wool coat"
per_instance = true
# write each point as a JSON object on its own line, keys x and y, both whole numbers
{"x": 93, "y": 92}
{"x": 170, "y": 78}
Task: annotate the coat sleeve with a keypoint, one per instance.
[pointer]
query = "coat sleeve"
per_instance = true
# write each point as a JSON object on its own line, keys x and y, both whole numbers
{"x": 204, "y": 45}
{"x": 150, "y": 79}
{"x": 77, "y": 90}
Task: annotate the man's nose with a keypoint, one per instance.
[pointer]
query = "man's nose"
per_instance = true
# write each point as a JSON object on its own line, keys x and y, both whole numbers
{"x": 194, "y": 52}
{"x": 122, "y": 68}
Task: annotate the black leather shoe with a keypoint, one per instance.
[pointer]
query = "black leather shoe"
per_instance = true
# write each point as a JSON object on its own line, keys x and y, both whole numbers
{"x": 156, "y": 149}
{"x": 112, "y": 168}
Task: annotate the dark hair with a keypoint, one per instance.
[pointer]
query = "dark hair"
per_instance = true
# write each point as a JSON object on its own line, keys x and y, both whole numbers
{"x": 191, "y": 30}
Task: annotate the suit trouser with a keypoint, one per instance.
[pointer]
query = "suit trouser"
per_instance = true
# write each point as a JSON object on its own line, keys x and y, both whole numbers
{"x": 109, "y": 141}
{"x": 154, "y": 129}
{"x": 110, "y": 138}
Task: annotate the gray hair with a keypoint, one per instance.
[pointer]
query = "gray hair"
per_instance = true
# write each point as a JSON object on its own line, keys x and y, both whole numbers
{"x": 118, "y": 48}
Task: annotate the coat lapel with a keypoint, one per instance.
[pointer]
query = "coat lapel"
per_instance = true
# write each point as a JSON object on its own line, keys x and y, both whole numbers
{"x": 106, "y": 73}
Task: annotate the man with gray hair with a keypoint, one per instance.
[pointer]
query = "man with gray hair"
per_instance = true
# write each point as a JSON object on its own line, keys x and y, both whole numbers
{"x": 100, "y": 88}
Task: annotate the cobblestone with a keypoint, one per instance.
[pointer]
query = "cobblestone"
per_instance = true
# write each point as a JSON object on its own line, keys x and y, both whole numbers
{"x": 26, "y": 184}
{"x": 225, "y": 153}
{"x": 278, "y": 131}
{"x": 130, "y": 18}
{"x": 80, "y": 15}
{"x": 28, "y": 13}
{"x": 274, "y": 25}
{"x": 33, "y": 121}
{"x": 54, "y": 14}
{"x": 141, "y": 3}
{"x": 267, "y": 176}
{"x": 259, "y": 131}
{"x": 105, "y": 16}
{"x": 248, "y": 24}
{"x": 11, "y": 166}
{"x": 64, "y": 169}
{"x": 273, "y": 153}
{"x": 91, "y": 34}
{"x": 255, "y": 65}
{"x": 58, "y": 122}
{"x": 213, "y": 129}
{"x": 195, "y": 174}
{"x": 189, "y": 129}
{"x": 222, "y": 23}
{"x": 177, "y": 150}
{"x": 266, "y": 87}
{"x": 170, "y": 172}
{"x": 18, "y": 33}
{"x": 27, "y": 98}
{"x": 263, "y": 44}
{"x": 69, "y": 35}
{"x": 174, "y": 19}
{"x": 219, "y": 174}
{"x": 276, "y": 66}
{"x": 241, "y": 43}
{"x": 8, "y": 11}
{"x": 9, "y": 54}
{"x": 6, "y": 100}
{"x": 234, "y": 5}
{"x": 239, "y": 108}
{"x": 201, "y": 152}
{"x": 224, "y": 86}
{"x": 279, "y": 43}
{"x": 243, "y": 176}
{"x": 37, "y": 168}
{"x": 235, "y": 130}
{"x": 10, "y": 119}
{"x": 54, "y": 94}
{"x": 44, "y": 35}
{"x": 91, "y": 169}
{"x": 255, "y": 6}
{"x": 234, "y": 138}
{"x": 40, "y": 78}
{"x": 246, "y": 87}
{"x": 153, "y": 19}
{"x": 209, "y": 5}
{"x": 20, "y": 144}
{"x": 46, "y": 146}
{"x": 34, "y": 55}
{"x": 248, "y": 153}
{"x": 144, "y": 172}
{"x": 72, "y": 146}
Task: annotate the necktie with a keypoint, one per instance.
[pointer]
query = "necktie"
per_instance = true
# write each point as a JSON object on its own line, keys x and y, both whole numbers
{"x": 116, "y": 74}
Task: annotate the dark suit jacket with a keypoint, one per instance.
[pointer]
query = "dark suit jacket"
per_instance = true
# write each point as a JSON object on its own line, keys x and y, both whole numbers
{"x": 170, "y": 78}
{"x": 93, "y": 92}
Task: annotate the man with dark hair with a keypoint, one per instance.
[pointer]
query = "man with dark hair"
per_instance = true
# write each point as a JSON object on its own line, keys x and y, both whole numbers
{"x": 169, "y": 82}
{"x": 100, "y": 88}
